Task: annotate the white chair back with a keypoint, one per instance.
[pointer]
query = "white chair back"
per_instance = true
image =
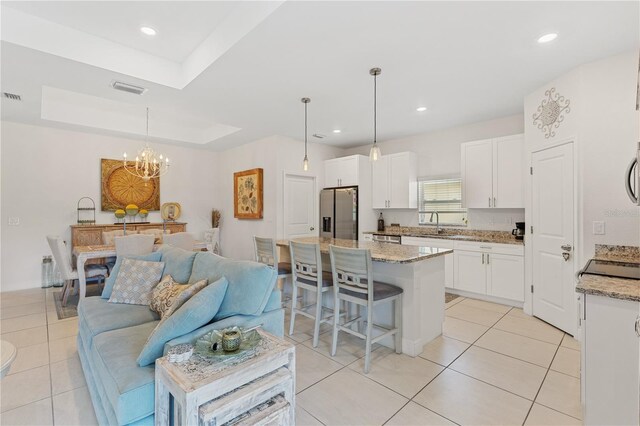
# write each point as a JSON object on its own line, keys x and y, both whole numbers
{"x": 265, "y": 251}
{"x": 61, "y": 256}
{"x": 156, "y": 232}
{"x": 109, "y": 236}
{"x": 306, "y": 262}
{"x": 134, "y": 244}
{"x": 183, "y": 240}
{"x": 352, "y": 270}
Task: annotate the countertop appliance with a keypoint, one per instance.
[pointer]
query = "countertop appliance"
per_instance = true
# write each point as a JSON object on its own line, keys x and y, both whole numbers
{"x": 519, "y": 231}
{"x": 610, "y": 268}
{"x": 339, "y": 213}
{"x": 393, "y": 239}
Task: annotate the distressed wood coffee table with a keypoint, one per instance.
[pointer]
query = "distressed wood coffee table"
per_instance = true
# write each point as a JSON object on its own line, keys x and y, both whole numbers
{"x": 255, "y": 387}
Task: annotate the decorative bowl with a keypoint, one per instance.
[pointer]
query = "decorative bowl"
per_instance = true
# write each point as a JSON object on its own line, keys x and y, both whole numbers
{"x": 211, "y": 344}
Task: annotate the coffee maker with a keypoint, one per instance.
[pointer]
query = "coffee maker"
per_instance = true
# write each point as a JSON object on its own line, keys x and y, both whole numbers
{"x": 519, "y": 231}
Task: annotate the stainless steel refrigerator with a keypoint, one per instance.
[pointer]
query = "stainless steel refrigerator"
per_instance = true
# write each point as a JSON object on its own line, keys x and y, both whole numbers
{"x": 339, "y": 213}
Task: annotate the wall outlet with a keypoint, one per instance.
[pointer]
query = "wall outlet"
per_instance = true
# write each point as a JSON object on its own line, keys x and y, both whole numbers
{"x": 598, "y": 227}
{"x": 14, "y": 221}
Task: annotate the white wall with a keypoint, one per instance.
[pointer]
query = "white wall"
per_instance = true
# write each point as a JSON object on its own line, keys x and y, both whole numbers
{"x": 46, "y": 170}
{"x": 603, "y": 125}
{"x": 275, "y": 155}
{"x": 439, "y": 156}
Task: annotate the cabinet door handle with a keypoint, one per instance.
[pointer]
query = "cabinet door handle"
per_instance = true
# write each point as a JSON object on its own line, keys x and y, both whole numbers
{"x": 494, "y": 201}
{"x": 483, "y": 258}
{"x": 489, "y": 201}
{"x": 637, "y": 326}
{"x": 487, "y": 258}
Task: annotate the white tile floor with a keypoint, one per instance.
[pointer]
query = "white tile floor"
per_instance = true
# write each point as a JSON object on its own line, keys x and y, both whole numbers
{"x": 493, "y": 365}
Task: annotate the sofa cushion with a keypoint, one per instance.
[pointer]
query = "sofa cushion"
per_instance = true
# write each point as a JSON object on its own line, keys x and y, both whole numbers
{"x": 96, "y": 315}
{"x": 250, "y": 283}
{"x": 136, "y": 281}
{"x": 168, "y": 295}
{"x": 196, "y": 312}
{"x": 129, "y": 388}
{"x": 111, "y": 280}
{"x": 178, "y": 262}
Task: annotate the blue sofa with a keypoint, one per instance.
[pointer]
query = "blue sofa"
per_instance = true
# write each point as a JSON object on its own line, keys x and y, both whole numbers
{"x": 111, "y": 336}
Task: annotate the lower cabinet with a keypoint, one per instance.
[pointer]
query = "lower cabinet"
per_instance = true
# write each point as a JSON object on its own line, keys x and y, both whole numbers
{"x": 437, "y": 243}
{"x": 610, "y": 361}
{"x": 489, "y": 269}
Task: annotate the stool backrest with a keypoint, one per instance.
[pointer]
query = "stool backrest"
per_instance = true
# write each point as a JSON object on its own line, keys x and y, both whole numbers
{"x": 306, "y": 261}
{"x": 184, "y": 240}
{"x": 265, "y": 251}
{"x": 134, "y": 244}
{"x": 352, "y": 270}
{"x": 61, "y": 256}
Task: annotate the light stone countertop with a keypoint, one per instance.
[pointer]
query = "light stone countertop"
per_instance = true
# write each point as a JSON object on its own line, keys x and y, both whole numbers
{"x": 380, "y": 252}
{"x": 455, "y": 234}
{"x": 616, "y": 288}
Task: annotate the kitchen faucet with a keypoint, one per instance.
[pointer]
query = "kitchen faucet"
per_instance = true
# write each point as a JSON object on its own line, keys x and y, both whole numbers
{"x": 437, "y": 221}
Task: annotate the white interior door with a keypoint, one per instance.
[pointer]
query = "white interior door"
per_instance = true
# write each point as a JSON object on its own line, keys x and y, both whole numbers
{"x": 300, "y": 206}
{"x": 553, "y": 236}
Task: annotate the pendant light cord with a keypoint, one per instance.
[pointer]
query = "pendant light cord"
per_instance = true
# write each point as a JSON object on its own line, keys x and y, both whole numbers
{"x": 375, "y": 108}
{"x": 305, "y": 129}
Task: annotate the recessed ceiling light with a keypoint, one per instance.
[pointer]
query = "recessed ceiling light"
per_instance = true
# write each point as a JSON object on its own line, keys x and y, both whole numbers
{"x": 421, "y": 109}
{"x": 148, "y": 31}
{"x": 547, "y": 38}
{"x": 337, "y": 131}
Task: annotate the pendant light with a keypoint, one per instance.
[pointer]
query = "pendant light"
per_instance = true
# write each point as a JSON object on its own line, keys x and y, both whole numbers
{"x": 375, "y": 153}
{"x": 305, "y": 162}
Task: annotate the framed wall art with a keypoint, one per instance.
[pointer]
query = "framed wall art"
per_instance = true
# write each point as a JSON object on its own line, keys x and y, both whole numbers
{"x": 247, "y": 194}
{"x": 120, "y": 188}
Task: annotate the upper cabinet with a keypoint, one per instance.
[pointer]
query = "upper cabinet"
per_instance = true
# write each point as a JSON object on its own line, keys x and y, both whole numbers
{"x": 395, "y": 181}
{"x": 343, "y": 171}
{"x": 492, "y": 173}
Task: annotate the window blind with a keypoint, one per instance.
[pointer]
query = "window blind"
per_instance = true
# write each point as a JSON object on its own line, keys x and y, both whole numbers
{"x": 443, "y": 196}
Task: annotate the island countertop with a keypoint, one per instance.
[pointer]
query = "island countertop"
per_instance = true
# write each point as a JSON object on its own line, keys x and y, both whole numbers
{"x": 380, "y": 252}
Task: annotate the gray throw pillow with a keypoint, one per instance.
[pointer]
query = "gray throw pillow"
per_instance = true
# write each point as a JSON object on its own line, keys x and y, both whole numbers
{"x": 135, "y": 282}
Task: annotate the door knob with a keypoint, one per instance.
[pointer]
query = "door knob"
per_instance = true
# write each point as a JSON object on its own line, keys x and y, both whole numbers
{"x": 312, "y": 229}
{"x": 566, "y": 255}
{"x": 566, "y": 247}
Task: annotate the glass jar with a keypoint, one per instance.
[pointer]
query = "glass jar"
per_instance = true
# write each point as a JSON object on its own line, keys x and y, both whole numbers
{"x": 47, "y": 272}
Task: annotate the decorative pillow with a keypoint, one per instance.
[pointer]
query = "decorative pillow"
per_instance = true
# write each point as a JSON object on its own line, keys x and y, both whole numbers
{"x": 169, "y": 295}
{"x": 195, "y": 313}
{"x": 178, "y": 262}
{"x": 111, "y": 280}
{"x": 135, "y": 281}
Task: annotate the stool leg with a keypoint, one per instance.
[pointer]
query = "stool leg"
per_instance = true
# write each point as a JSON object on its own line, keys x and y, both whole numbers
{"x": 336, "y": 317}
{"x": 367, "y": 354}
{"x": 294, "y": 295}
{"x": 316, "y": 328}
{"x": 398, "y": 324}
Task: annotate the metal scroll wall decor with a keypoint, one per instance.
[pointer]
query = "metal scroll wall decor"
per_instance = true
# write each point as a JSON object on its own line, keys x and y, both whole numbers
{"x": 551, "y": 112}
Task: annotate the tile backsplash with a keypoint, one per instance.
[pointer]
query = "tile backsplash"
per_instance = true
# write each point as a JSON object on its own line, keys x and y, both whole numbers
{"x": 483, "y": 219}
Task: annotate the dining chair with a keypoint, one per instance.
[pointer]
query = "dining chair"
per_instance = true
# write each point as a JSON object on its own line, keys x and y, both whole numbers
{"x": 134, "y": 244}
{"x": 307, "y": 275}
{"x": 68, "y": 272}
{"x": 109, "y": 236}
{"x": 353, "y": 283}
{"x": 184, "y": 240}
{"x": 266, "y": 252}
{"x": 157, "y": 233}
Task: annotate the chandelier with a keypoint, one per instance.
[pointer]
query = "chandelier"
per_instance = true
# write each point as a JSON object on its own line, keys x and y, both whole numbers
{"x": 148, "y": 164}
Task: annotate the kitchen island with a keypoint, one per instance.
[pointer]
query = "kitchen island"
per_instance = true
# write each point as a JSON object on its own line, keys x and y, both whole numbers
{"x": 419, "y": 271}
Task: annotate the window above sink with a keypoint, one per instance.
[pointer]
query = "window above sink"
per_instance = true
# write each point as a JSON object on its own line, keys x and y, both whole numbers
{"x": 443, "y": 195}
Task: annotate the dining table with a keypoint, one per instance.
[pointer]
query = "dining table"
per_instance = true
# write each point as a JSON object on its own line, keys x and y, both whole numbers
{"x": 84, "y": 253}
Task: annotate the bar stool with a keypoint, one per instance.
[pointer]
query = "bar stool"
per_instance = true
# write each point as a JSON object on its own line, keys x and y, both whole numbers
{"x": 353, "y": 283}
{"x": 308, "y": 275}
{"x": 266, "y": 252}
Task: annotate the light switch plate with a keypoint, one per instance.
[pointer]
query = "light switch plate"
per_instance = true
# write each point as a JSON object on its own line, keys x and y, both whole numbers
{"x": 598, "y": 227}
{"x": 14, "y": 221}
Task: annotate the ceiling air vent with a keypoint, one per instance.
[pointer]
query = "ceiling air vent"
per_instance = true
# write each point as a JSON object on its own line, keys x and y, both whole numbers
{"x": 130, "y": 88}
{"x": 11, "y": 96}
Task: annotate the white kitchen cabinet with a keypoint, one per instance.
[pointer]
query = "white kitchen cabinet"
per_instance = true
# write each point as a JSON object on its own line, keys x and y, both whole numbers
{"x": 490, "y": 269}
{"x": 395, "y": 181}
{"x": 343, "y": 171}
{"x": 492, "y": 173}
{"x": 611, "y": 355}
{"x": 437, "y": 243}
{"x": 470, "y": 271}
{"x": 505, "y": 276}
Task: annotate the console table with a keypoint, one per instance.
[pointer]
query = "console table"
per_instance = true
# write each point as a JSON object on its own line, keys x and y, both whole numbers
{"x": 253, "y": 388}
